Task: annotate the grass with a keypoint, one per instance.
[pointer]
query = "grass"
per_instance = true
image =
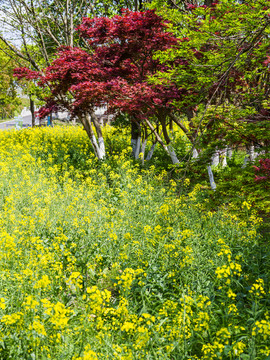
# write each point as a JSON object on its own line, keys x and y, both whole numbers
{"x": 106, "y": 261}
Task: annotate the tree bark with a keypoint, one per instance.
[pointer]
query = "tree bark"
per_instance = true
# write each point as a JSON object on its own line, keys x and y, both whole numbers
{"x": 229, "y": 152}
{"x": 223, "y": 156}
{"x": 101, "y": 143}
{"x": 250, "y": 154}
{"x": 215, "y": 158}
{"x": 195, "y": 153}
{"x": 32, "y": 109}
{"x": 143, "y": 149}
{"x": 151, "y": 151}
{"x": 170, "y": 148}
{"x": 86, "y": 121}
{"x": 211, "y": 178}
{"x": 135, "y": 139}
{"x": 169, "y": 152}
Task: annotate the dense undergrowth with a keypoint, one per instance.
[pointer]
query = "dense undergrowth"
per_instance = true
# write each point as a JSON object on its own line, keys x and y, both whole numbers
{"x": 112, "y": 261}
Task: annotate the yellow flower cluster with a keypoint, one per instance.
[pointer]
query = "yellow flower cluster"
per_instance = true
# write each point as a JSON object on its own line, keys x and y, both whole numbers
{"x": 257, "y": 289}
{"x": 227, "y": 271}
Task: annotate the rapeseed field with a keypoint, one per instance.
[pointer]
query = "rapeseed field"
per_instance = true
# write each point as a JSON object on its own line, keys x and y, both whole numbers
{"x": 107, "y": 261}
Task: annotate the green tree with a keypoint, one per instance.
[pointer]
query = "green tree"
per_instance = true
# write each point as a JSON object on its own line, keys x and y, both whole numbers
{"x": 9, "y": 100}
{"x": 223, "y": 51}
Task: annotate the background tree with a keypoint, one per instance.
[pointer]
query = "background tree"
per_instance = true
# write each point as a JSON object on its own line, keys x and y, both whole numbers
{"x": 32, "y": 30}
{"x": 9, "y": 99}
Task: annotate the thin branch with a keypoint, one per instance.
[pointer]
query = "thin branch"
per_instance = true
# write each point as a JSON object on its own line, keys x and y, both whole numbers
{"x": 19, "y": 54}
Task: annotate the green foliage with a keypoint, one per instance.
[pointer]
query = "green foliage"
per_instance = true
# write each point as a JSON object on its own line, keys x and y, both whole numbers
{"x": 221, "y": 62}
{"x": 9, "y": 100}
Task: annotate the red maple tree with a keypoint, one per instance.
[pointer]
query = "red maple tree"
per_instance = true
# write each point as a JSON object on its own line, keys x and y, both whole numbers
{"x": 113, "y": 69}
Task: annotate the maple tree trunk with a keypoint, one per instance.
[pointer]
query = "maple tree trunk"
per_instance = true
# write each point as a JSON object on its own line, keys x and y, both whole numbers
{"x": 144, "y": 142}
{"x": 135, "y": 139}
{"x": 171, "y": 125}
{"x": 86, "y": 121}
{"x": 251, "y": 151}
{"x": 250, "y": 154}
{"x": 143, "y": 149}
{"x": 195, "y": 153}
{"x": 99, "y": 134}
{"x": 138, "y": 148}
{"x": 151, "y": 152}
{"x": 223, "y": 156}
{"x": 229, "y": 152}
{"x": 169, "y": 152}
{"x": 215, "y": 158}
{"x": 170, "y": 148}
{"x": 211, "y": 178}
{"x": 173, "y": 155}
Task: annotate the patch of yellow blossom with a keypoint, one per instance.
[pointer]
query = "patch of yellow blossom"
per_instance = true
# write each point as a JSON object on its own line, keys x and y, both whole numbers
{"x": 38, "y": 328}
{"x": 262, "y": 328}
{"x": 238, "y": 348}
{"x": 257, "y": 289}
{"x": 2, "y": 303}
{"x": 67, "y": 280}
{"x": 246, "y": 205}
{"x": 228, "y": 271}
{"x": 126, "y": 279}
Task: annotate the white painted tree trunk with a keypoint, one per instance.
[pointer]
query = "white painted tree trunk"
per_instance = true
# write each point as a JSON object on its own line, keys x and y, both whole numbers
{"x": 170, "y": 152}
{"x": 245, "y": 161}
{"x": 211, "y": 178}
{"x": 143, "y": 149}
{"x": 223, "y": 156}
{"x": 195, "y": 154}
{"x": 250, "y": 155}
{"x": 101, "y": 148}
{"x": 101, "y": 145}
{"x": 133, "y": 145}
{"x": 215, "y": 158}
{"x": 173, "y": 155}
{"x": 224, "y": 161}
{"x": 135, "y": 138}
{"x": 229, "y": 152}
{"x": 151, "y": 152}
{"x": 137, "y": 148}
{"x": 95, "y": 147}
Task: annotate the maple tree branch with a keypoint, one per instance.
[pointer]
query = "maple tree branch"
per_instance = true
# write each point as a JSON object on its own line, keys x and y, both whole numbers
{"x": 156, "y": 134}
